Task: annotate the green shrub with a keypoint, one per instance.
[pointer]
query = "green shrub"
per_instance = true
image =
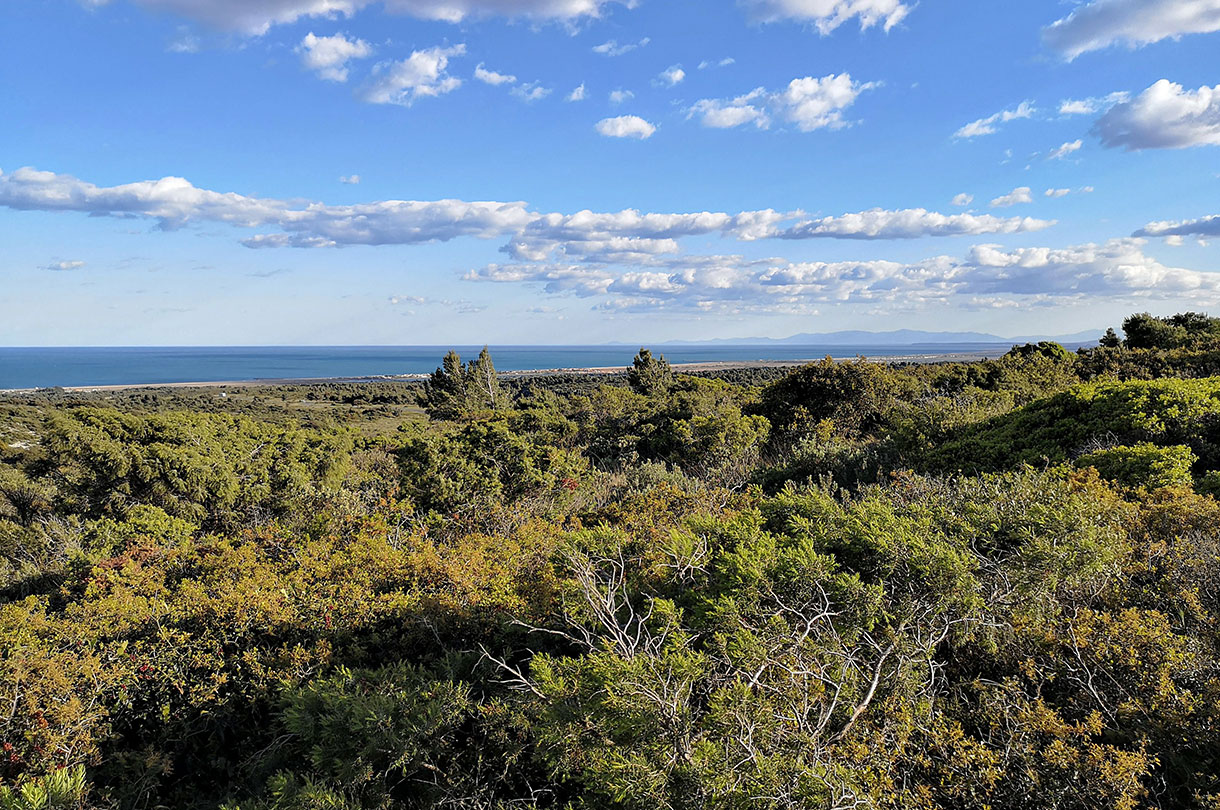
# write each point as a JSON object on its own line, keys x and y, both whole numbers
{"x": 1143, "y": 465}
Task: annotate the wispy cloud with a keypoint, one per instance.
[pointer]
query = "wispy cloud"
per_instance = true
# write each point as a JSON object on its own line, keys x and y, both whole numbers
{"x": 613, "y": 48}
{"x": 989, "y": 125}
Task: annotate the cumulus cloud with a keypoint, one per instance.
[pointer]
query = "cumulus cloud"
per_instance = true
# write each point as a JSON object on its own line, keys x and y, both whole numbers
{"x": 613, "y": 48}
{"x": 350, "y": 179}
{"x": 1015, "y": 197}
{"x": 1204, "y": 226}
{"x": 492, "y": 77}
{"x": 619, "y": 96}
{"x": 1060, "y": 152}
{"x": 672, "y": 76}
{"x": 1102, "y": 23}
{"x": 1165, "y": 116}
{"x": 725, "y": 62}
{"x": 626, "y": 126}
{"x": 963, "y": 199}
{"x": 827, "y": 15}
{"x": 808, "y": 103}
{"x": 175, "y": 202}
{"x": 422, "y": 74}
{"x": 1055, "y": 193}
{"x": 987, "y": 275}
{"x": 987, "y": 126}
{"x": 255, "y": 17}
{"x": 578, "y": 94}
{"x": 63, "y": 266}
{"x": 328, "y": 56}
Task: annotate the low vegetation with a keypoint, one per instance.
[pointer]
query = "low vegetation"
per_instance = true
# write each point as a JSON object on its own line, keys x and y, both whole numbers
{"x": 989, "y": 585}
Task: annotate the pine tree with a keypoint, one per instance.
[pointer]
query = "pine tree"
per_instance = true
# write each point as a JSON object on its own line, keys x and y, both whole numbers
{"x": 648, "y": 375}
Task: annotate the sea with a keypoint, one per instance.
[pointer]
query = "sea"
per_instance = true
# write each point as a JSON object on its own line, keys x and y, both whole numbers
{"x": 41, "y": 367}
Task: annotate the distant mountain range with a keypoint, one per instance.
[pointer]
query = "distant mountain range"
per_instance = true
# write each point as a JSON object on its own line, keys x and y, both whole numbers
{"x": 901, "y": 337}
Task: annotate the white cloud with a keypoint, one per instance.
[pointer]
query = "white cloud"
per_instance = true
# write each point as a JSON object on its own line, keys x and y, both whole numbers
{"x": 255, "y": 17}
{"x": 492, "y": 77}
{"x": 350, "y": 179}
{"x": 577, "y": 94}
{"x": 827, "y": 15}
{"x": 729, "y": 113}
{"x": 532, "y": 91}
{"x": 987, "y": 276}
{"x": 613, "y": 48}
{"x": 422, "y": 74}
{"x": 672, "y": 76}
{"x": 619, "y": 96}
{"x": 1165, "y": 116}
{"x": 963, "y": 199}
{"x": 328, "y": 56}
{"x": 1204, "y": 226}
{"x": 1060, "y": 152}
{"x": 725, "y": 62}
{"x": 626, "y": 126}
{"x": 175, "y": 202}
{"x": 1089, "y": 106}
{"x": 987, "y": 126}
{"x": 61, "y": 267}
{"x": 1102, "y": 23}
{"x": 911, "y": 223}
{"x": 1055, "y": 193}
{"x": 807, "y": 103}
{"x": 1015, "y": 197}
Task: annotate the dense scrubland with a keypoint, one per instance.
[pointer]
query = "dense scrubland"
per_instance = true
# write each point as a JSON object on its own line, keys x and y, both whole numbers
{"x": 975, "y": 585}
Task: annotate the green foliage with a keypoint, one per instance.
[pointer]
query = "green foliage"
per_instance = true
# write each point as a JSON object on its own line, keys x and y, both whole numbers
{"x": 848, "y": 397}
{"x": 1144, "y": 465}
{"x": 200, "y": 467}
{"x": 1047, "y": 348}
{"x": 648, "y": 375}
{"x": 62, "y": 789}
{"x": 580, "y": 596}
{"x": 1163, "y": 412}
{"x": 1145, "y": 331}
{"x": 456, "y": 391}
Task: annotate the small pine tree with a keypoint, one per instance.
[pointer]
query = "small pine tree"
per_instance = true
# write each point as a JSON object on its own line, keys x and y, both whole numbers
{"x": 445, "y": 392}
{"x": 648, "y": 375}
{"x": 1110, "y": 340}
{"x": 483, "y": 389}
{"x": 457, "y": 390}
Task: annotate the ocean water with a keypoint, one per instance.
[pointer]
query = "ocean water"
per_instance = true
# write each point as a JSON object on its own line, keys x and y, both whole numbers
{"x": 69, "y": 367}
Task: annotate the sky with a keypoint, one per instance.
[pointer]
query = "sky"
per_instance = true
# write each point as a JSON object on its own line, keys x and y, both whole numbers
{"x": 430, "y": 172}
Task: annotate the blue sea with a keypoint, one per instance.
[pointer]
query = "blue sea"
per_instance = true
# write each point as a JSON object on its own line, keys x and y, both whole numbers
{"x": 70, "y": 367}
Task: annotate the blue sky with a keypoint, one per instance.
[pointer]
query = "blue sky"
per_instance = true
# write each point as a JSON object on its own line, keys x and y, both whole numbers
{"x": 575, "y": 171}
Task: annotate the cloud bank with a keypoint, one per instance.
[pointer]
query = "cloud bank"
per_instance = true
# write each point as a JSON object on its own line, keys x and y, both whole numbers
{"x": 173, "y": 202}
{"x": 986, "y": 276}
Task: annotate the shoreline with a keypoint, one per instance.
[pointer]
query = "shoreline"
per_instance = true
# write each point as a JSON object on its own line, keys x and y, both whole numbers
{"x": 595, "y": 371}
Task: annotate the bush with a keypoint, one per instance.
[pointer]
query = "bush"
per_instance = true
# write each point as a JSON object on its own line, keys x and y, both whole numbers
{"x": 1144, "y": 465}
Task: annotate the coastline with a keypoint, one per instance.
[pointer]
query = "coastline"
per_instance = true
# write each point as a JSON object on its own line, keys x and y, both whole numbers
{"x": 718, "y": 365}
